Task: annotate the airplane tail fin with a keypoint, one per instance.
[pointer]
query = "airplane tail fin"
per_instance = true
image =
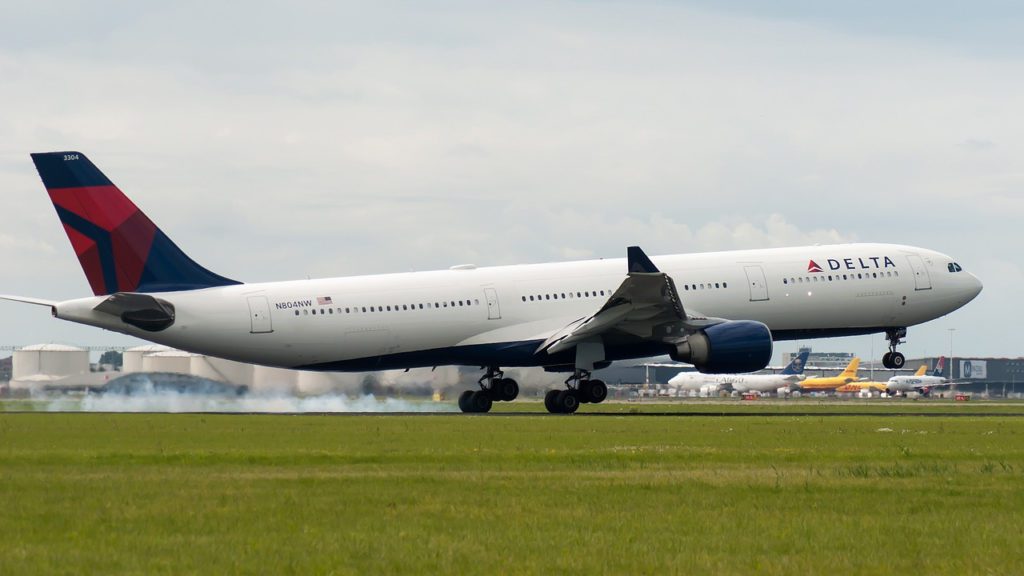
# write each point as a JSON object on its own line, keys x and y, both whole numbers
{"x": 921, "y": 370}
{"x": 119, "y": 248}
{"x": 796, "y": 366}
{"x": 940, "y": 366}
{"x": 852, "y": 367}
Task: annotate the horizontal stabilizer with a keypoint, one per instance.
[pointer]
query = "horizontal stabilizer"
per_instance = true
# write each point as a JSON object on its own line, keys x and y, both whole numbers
{"x": 26, "y": 300}
{"x": 140, "y": 310}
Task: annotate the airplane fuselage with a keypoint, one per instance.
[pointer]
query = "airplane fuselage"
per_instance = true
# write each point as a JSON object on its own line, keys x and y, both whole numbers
{"x": 498, "y": 316}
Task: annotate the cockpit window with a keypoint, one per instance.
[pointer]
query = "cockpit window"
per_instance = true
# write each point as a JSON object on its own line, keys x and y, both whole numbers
{"x": 957, "y": 267}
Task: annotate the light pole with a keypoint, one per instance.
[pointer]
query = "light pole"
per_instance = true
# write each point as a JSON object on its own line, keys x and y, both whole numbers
{"x": 951, "y": 330}
{"x": 952, "y": 387}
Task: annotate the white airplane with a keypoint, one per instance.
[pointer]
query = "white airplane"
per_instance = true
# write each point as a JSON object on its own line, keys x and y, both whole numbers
{"x": 710, "y": 384}
{"x": 567, "y": 316}
{"x": 920, "y": 383}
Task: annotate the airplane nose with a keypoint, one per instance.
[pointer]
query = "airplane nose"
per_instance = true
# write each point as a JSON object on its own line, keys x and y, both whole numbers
{"x": 974, "y": 288}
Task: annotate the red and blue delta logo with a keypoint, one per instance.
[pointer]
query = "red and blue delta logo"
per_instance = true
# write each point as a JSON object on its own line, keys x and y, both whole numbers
{"x": 812, "y": 266}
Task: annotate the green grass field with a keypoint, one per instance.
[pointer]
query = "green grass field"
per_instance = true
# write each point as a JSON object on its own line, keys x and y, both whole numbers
{"x": 156, "y": 493}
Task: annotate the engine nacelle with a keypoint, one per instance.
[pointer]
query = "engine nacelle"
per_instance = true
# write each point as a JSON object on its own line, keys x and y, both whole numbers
{"x": 727, "y": 348}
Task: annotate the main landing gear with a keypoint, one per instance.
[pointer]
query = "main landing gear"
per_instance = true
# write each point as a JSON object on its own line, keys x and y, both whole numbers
{"x": 497, "y": 389}
{"x": 580, "y": 389}
{"x": 893, "y": 359}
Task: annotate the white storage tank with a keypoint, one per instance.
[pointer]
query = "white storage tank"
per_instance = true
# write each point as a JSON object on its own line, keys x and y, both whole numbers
{"x": 221, "y": 370}
{"x": 174, "y": 361}
{"x": 132, "y": 359}
{"x": 274, "y": 380}
{"x": 42, "y": 365}
{"x": 49, "y": 359}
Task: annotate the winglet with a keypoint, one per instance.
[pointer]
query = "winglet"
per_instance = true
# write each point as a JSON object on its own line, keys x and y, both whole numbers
{"x": 639, "y": 262}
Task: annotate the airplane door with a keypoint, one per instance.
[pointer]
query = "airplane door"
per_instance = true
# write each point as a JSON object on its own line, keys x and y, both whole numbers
{"x": 493, "y": 310}
{"x": 921, "y": 279}
{"x": 756, "y": 282}
{"x": 259, "y": 315}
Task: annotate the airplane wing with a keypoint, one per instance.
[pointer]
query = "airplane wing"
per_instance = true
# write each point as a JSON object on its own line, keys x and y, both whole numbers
{"x": 645, "y": 307}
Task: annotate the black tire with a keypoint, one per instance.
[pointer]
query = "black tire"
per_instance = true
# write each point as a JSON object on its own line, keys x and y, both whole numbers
{"x": 549, "y": 401}
{"x": 464, "y": 403}
{"x": 583, "y": 390}
{"x": 567, "y": 401}
{"x": 887, "y": 360}
{"x": 598, "y": 391}
{"x": 897, "y": 360}
{"x": 507, "y": 389}
{"x": 481, "y": 402}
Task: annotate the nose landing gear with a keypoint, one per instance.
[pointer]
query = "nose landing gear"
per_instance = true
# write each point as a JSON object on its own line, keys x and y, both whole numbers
{"x": 893, "y": 359}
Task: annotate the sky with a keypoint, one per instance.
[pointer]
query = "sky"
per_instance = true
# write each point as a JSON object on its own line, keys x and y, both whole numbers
{"x": 282, "y": 140}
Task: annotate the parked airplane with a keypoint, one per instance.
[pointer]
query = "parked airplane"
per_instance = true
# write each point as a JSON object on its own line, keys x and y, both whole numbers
{"x": 919, "y": 382}
{"x": 873, "y": 385}
{"x": 830, "y": 383}
{"x": 569, "y": 316}
{"x": 713, "y": 383}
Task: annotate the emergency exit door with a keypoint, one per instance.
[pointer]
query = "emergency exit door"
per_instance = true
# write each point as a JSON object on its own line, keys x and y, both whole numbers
{"x": 259, "y": 315}
{"x": 757, "y": 284}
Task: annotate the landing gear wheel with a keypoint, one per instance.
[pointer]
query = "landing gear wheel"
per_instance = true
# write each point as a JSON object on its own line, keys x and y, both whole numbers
{"x": 897, "y": 360}
{"x": 506, "y": 389}
{"x": 583, "y": 389}
{"x": 480, "y": 401}
{"x": 464, "y": 403}
{"x": 597, "y": 391}
{"x": 549, "y": 401}
{"x": 887, "y": 360}
{"x": 567, "y": 401}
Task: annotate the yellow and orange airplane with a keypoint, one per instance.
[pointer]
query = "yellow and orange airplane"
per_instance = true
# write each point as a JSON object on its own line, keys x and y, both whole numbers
{"x": 830, "y": 383}
{"x": 868, "y": 385}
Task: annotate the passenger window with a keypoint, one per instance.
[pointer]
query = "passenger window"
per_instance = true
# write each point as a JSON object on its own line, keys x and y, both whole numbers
{"x": 716, "y": 285}
{"x": 724, "y": 285}
{"x": 874, "y": 275}
{"x": 547, "y": 296}
{"x": 563, "y": 295}
{"x": 578, "y": 295}
{"x": 305, "y": 312}
{"x": 330, "y": 310}
{"x": 686, "y": 287}
{"x": 296, "y": 312}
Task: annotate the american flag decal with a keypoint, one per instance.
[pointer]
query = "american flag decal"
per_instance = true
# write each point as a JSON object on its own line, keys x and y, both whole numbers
{"x": 323, "y": 300}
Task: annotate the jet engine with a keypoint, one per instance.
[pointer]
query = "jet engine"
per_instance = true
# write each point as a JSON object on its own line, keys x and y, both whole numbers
{"x": 727, "y": 348}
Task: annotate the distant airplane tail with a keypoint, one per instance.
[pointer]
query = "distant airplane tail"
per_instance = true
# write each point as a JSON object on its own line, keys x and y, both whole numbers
{"x": 921, "y": 370}
{"x": 119, "y": 248}
{"x": 940, "y": 366}
{"x": 796, "y": 366}
{"x": 851, "y": 368}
